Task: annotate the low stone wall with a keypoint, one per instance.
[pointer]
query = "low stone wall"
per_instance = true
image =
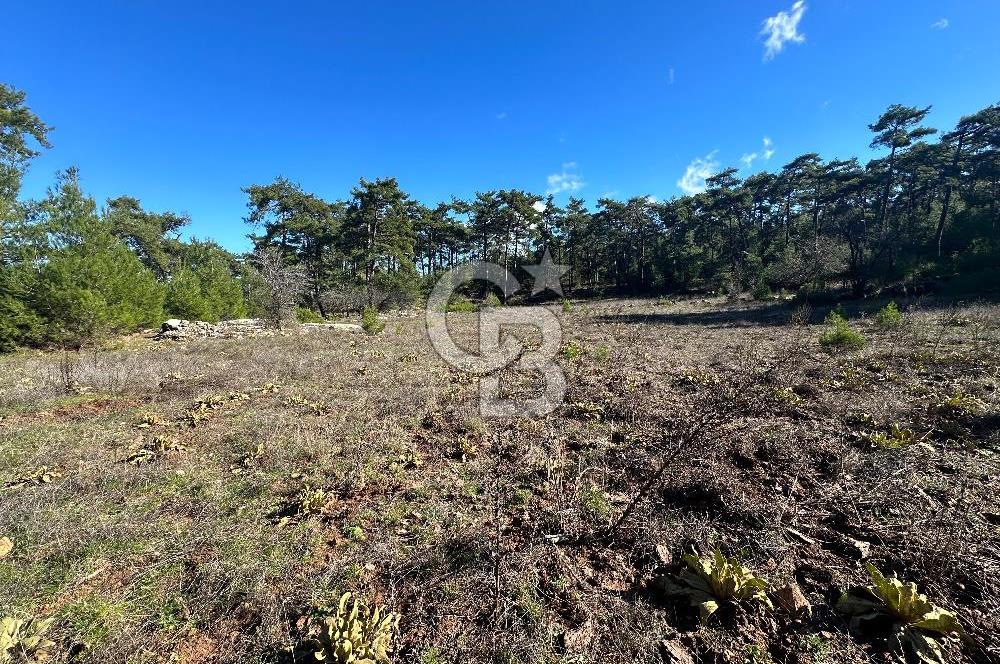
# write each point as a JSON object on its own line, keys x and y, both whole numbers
{"x": 175, "y": 329}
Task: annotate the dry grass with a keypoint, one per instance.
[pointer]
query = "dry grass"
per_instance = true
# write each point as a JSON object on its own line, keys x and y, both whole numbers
{"x": 501, "y": 541}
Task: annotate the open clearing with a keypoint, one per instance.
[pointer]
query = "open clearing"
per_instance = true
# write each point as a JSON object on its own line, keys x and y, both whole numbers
{"x": 179, "y": 519}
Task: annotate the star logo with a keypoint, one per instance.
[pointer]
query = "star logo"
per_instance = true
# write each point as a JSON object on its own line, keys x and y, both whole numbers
{"x": 547, "y": 275}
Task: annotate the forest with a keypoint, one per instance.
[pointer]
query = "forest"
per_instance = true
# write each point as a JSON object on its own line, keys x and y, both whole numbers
{"x": 921, "y": 216}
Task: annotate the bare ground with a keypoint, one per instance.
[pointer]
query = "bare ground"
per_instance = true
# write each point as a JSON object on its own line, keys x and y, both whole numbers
{"x": 533, "y": 540}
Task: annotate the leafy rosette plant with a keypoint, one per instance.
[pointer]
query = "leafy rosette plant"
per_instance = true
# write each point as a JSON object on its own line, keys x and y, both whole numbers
{"x": 355, "y": 634}
{"x": 23, "y": 640}
{"x": 716, "y": 579}
{"x": 896, "y": 612}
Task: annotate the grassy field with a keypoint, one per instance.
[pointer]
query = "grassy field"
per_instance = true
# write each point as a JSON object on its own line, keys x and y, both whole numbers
{"x": 199, "y": 501}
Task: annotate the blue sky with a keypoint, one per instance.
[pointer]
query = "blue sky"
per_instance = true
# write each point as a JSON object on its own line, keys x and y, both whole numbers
{"x": 181, "y": 104}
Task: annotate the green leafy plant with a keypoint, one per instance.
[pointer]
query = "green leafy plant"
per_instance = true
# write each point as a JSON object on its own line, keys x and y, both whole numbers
{"x": 896, "y": 612}
{"x": 889, "y": 316}
{"x": 787, "y": 395}
{"x": 839, "y": 334}
{"x": 462, "y": 305}
{"x": 43, "y": 475}
{"x": 196, "y": 416}
{"x": 154, "y": 449}
{"x": 595, "y": 502}
{"x": 762, "y": 291}
{"x": 307, "y": 315}
{"x": 567, "y": 306}
{"x": 370, "y": 321}
{"x": 23, "y": 640}
{"x": 150, "y": 419}
{"x": 897, "y": 438}
{"x": 959, "y": 404}
{"x": 715, "y": 579}
{"x": 354, "y": 633}
{"x": 601, "y": 353}
{"x": 312, "y": 500}
{"x": 571, "y": 350}
{"x": 697, "y": 378}
{"x": 492, "y": 300}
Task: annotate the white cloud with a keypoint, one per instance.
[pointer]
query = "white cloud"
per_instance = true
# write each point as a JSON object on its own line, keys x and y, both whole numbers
{"x": 765, "y": 153}
{"x": 940, "y": 24}
{"x": 652, "y": 200}
{"x": 502, "y": 116}
{"x": 539, "y": 206}
{"x": 567, "y": 180}
{"x": 768, "y": 148}
{"x": 783, "y": 28}
{"x": 700, "y": 168}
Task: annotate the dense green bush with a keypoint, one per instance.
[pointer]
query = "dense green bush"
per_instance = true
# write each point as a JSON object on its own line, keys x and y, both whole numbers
{"x": 762, "y": 291}
{"x": 889, "y": 316}
{"x": 370, "y": 321}
{"x": 203, "y": 285}
{"x": 839, "y": 333}
{"x": 184, "y": 298}
{"x": 461, "y": 304}
{"x": 307, "y": 315}
{"x": 19, "y": 323}
{"x": 96, "y": 288}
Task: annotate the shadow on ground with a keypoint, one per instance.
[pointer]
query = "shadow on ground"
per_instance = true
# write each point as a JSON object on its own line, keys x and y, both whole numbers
{"x": 739, "y": 316}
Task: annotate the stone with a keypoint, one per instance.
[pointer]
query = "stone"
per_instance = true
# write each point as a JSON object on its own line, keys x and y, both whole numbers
{"x": 858, "y": 548}
{"x": 241, "y": 328}
{"x": 674, "y": 652}
{"x": 339, "y": 327}
{"x": 792, "y": 599}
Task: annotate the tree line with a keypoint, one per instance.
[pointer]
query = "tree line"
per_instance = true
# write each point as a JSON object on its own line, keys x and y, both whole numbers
{"x": 925, "y": 211}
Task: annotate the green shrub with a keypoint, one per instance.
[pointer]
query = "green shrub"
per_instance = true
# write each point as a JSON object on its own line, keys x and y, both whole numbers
{"x": 19, "y": 324}
{"x": 889, "y": 316}
{"x": 567, "y": 306}
{"x": 307, "y": 315}
{"x": 370, "y": 321}
{"x": 95, "y": 288}
{"x": 601, "y": 353}
{"x": 462, "y": 305}
{"x": 184, "y": 298}
{"x": 839, "y": 333}
{"x": 762, "y": 291}
{"x": 492, "y": 300}
{"x": 571, "y": 350}
{"x": 203, "y": 287}
{"x": 596, "y": 502}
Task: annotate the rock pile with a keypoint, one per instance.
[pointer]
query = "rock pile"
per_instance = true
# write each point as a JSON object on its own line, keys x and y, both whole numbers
{"x": 239, "y": 329}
